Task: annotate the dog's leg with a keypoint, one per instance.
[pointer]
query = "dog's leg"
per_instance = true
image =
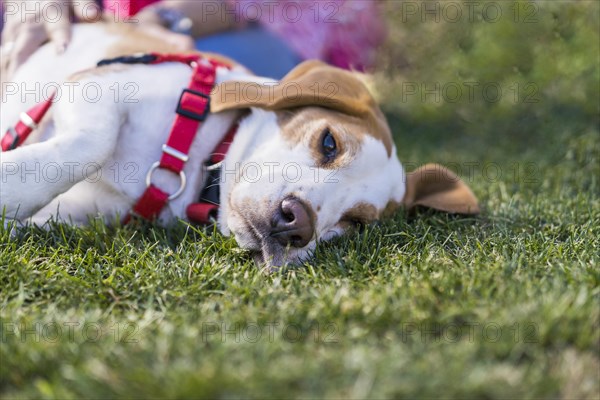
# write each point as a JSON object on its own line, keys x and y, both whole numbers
{"x": 76, "y": 205}
{"x": 32, "y": 176}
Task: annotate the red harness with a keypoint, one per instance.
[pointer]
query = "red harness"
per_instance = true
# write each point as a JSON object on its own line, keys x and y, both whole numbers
{"x": 192, "y": 110}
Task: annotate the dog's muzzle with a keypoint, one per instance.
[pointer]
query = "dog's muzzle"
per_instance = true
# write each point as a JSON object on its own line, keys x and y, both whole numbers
{"x": 292, "y": 224}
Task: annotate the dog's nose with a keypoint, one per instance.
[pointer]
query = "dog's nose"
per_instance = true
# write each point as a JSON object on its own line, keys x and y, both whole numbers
{"x": 292, "y": 224}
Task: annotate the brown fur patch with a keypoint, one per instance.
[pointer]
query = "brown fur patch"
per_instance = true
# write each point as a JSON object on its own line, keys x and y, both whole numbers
{"x": 390, "y": 209}
{"x": 306, "y": 125}
{"x": 311, "y": 84}
{"x": 434, "y": 186}
{"x": 135, "y": 40}
{"x": 361, "y": 213}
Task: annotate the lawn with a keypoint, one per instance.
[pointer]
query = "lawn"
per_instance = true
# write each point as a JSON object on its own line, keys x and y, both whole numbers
{"x": 502, "y": 305}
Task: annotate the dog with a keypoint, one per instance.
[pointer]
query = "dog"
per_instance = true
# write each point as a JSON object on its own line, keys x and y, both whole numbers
{"x": 313, "y": 157}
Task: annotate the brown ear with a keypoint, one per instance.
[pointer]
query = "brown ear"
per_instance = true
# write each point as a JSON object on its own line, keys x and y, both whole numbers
{"x": 312, "y": 83}
{"x": 439, "y": 188}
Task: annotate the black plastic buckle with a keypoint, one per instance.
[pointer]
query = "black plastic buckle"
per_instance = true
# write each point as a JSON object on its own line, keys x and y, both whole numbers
{"x": 135, "y": 59}
{"x": 191, "y": 114}
{"x": 211, "y": 192}
{"x": 12, "y": 132}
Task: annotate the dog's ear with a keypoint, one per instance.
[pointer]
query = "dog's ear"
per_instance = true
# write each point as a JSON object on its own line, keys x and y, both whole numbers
{"x": 312, "y": 83}
{"x": 436, "y": 187}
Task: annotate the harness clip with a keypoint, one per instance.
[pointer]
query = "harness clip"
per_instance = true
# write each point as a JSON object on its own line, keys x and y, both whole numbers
{"x": 189, "y": 113}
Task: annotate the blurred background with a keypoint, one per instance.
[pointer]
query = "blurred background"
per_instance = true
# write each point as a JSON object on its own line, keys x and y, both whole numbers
{"x": 490, "y": 67}
{"x": 506, "y": 93}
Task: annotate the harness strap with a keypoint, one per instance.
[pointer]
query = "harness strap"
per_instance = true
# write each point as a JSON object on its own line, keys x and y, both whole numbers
{"x": 192, "y": 110}
{"x": 28, "y": 121}
{"x": 207, "y": 208}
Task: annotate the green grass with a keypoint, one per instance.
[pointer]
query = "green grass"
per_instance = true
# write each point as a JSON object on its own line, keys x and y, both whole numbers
{"x": 504, "y": 305}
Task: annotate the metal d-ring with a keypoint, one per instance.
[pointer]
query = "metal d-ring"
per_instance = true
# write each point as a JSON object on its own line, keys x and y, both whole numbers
{"x": 182, "y": 178}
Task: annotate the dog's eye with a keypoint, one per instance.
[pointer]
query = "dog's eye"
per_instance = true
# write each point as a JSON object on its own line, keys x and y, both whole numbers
{"x": 328, "y": 145}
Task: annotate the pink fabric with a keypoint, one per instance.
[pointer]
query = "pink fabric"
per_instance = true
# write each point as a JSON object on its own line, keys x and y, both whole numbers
{"x": 345, "y": 33}
{"x": 126, "y": 8}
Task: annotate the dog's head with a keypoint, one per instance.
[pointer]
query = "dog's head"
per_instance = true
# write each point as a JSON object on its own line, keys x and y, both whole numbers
{"x": 314, "y": 160}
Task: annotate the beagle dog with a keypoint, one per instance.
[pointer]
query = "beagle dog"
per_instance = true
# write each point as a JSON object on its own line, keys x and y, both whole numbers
{"x": 313, "y": 156}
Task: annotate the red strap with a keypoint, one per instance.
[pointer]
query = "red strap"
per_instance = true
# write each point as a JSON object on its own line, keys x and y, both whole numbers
{"x": 192, "y": 104}
{"x": 202, "y": 213}
{"x": 151, "y": 203}
{"x": 220, "y": 151}
{"x": 28, "y": 121}
{"x": 188, "y": 59}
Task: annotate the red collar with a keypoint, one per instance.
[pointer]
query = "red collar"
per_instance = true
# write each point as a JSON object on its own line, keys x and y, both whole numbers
{"x": 192, "y": 110}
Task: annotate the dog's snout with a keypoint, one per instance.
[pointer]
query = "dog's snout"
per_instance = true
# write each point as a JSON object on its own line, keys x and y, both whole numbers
{"x": 292, "y": 224}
